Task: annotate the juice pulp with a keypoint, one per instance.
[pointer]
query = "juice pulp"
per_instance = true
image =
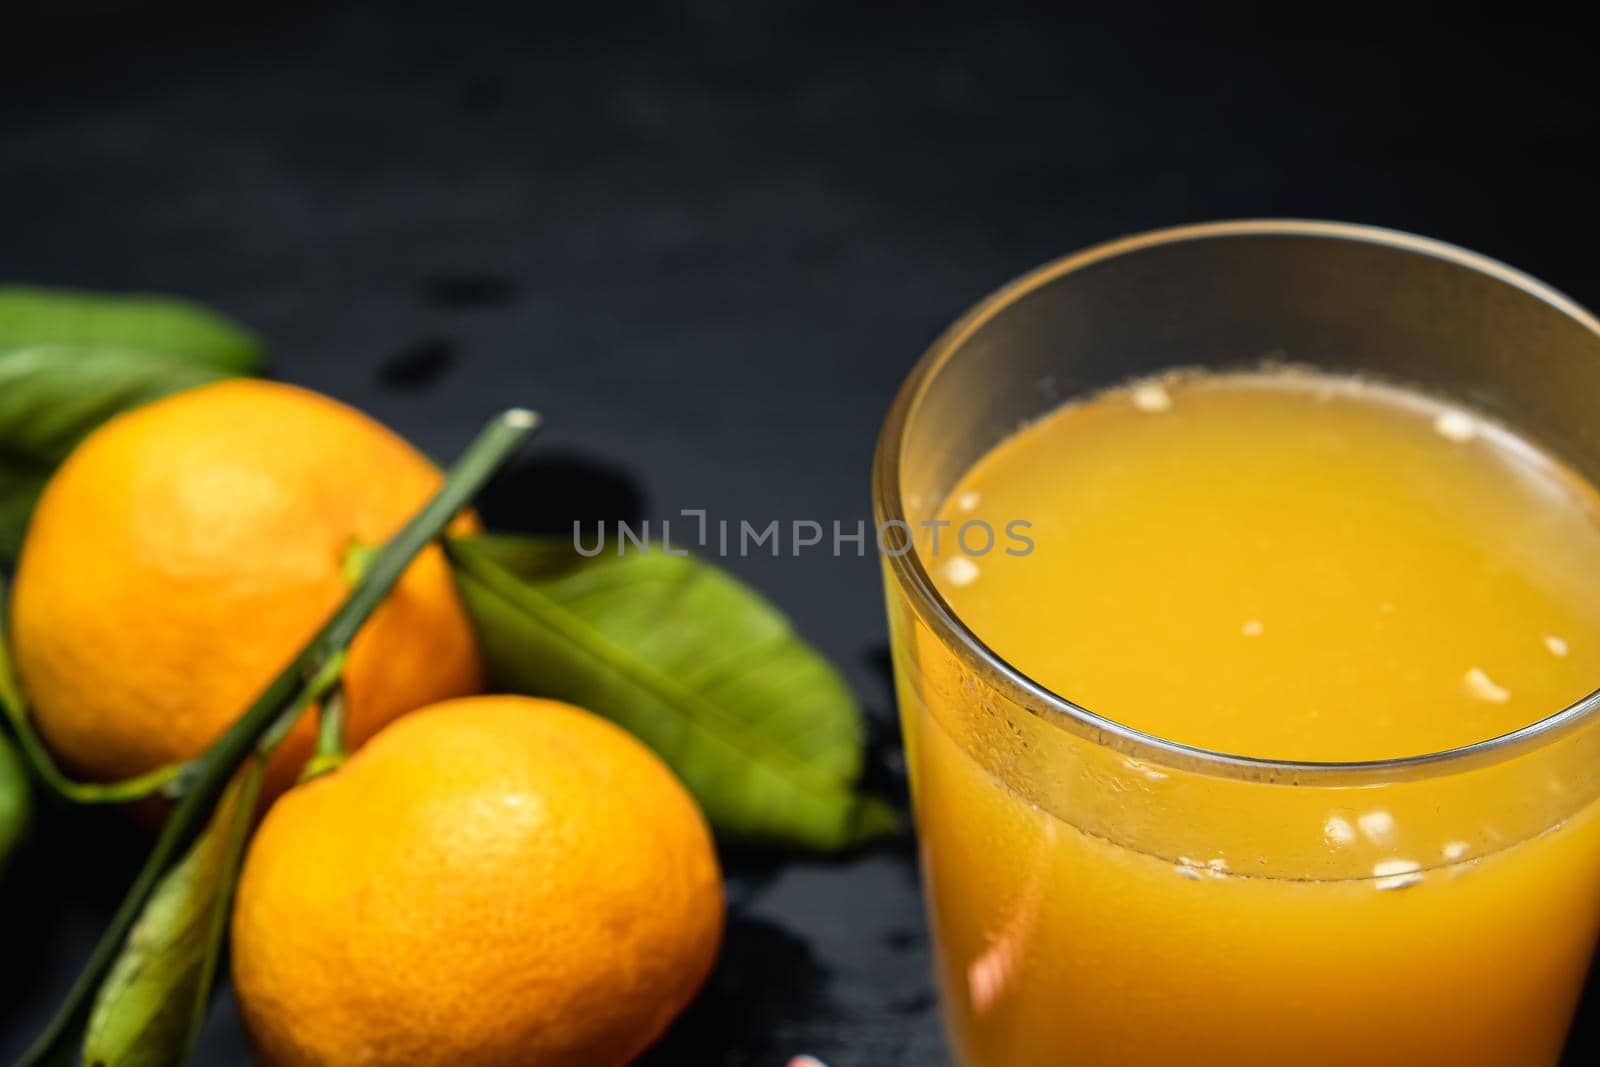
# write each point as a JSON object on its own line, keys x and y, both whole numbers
{"x": 1286, "y": 566}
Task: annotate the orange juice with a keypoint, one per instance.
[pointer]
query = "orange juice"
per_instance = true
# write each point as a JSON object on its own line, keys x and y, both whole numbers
{"x": 1280, "y": 566}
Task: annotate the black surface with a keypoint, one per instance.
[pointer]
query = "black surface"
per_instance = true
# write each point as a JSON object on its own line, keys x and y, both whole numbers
{"x": 708, "y": 243}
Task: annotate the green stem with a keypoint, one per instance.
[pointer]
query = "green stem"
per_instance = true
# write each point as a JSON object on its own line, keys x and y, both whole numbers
{"x": 324, "y": 682}
{"x": 44, "y": 766}
{"x": 330, "y": 754}
{"x": 268, "y": 715}
{"x": 358, "y": 557}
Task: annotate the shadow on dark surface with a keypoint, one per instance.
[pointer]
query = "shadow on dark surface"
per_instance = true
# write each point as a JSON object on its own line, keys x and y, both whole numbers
{"x": 545, "y": 492}
{"x": 419, "y": 366}
{"x": 767, "y": 980}
{"x": 57, "y": 895}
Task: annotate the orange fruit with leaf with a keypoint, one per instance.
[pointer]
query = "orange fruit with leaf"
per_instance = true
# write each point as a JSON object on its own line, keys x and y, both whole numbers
{"x": 187, "y": 549}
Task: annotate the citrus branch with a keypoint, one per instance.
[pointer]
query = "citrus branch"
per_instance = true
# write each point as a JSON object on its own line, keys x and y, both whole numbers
{"x": 273, "y": 712}
{"x": 330, "y": 754}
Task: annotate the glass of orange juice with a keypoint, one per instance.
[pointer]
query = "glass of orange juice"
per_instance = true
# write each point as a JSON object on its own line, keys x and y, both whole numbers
{"x": 1246, "y": 640}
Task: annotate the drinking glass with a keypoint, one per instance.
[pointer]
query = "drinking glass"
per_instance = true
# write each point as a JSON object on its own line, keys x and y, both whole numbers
{"x": 1101, "y": 897}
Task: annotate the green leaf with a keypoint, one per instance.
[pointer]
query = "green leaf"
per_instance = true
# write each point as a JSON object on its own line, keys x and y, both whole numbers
{"x": 52, "y": 396}
{"x": 16, "y": 799}
{"x": 16, "y": 793}
{"x": 149, "y": 1010}
{"x": 763, "y": 731}
{"x": 179, "y": 329}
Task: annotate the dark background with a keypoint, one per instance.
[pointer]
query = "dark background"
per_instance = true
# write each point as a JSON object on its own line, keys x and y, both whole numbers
{"x": 708, "y": 241}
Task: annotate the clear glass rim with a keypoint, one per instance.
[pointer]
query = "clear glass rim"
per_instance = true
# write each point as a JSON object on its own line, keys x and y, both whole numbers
{"x": 913, "y": 578}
